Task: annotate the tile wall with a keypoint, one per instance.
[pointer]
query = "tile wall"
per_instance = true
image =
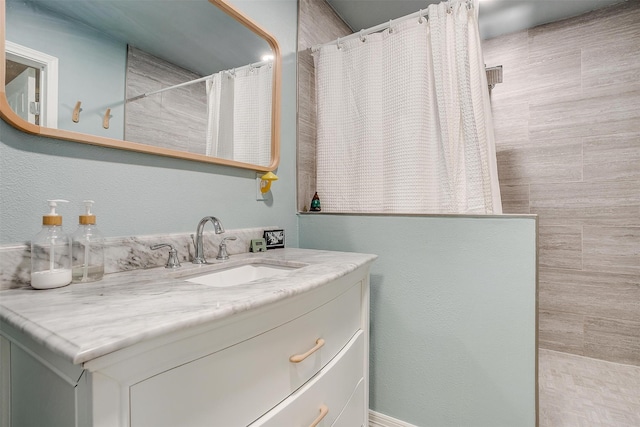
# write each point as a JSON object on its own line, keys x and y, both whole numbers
{"x": 176, "y": 119}
{"x": 567, "y": 121}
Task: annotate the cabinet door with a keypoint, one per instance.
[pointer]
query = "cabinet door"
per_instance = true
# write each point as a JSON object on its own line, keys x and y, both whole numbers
{"x": 39, "y": 397}
{"x": 237, "y": 385}
{"x": 328, "y": 392}
{"x": 5, "y": 382}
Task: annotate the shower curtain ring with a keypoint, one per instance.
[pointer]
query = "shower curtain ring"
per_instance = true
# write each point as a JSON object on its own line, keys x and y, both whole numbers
{"x": 390, "y": 28}
{"x": 362, "y": 36}
{"x": 420, "y": 16}
{"x": 338, "y": 44}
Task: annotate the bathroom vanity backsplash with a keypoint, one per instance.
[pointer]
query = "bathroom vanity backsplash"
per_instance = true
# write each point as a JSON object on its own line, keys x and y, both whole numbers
{"x": 131, "y": 253}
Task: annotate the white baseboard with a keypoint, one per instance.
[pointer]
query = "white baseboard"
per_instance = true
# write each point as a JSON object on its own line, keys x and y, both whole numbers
{"x": 376, "y": 419}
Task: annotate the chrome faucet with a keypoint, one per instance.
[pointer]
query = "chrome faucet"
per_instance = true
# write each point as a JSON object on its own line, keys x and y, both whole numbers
{"x": 198, "y": 257}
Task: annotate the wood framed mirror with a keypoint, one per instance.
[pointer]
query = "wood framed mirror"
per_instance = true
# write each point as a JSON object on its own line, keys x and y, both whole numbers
{"x": 196, "y": 79}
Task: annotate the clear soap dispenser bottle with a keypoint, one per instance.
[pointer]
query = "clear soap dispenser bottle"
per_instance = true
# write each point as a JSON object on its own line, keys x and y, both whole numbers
{"x": 88, "y": 248}
{"x": 51, "y": 252}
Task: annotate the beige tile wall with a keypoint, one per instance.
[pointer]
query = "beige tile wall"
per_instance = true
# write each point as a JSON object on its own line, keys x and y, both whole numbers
{"x": 567, "y": 121}
{"x": 317, "y": 24}
{"x": 176, "y": 119}
{"x": 567, "y": 124}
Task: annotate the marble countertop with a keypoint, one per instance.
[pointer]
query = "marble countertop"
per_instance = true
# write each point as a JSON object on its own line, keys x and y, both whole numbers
{"x": 87, "y": 320}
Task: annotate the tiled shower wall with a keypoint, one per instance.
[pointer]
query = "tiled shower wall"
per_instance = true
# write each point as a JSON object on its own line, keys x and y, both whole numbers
{"x": 317, "y": 24}
{"x": 567, "y": 122}
{"x": 175, "y": 119}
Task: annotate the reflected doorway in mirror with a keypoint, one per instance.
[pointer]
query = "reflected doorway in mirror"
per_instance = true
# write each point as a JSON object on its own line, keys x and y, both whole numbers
{"x": 32, "y": 84}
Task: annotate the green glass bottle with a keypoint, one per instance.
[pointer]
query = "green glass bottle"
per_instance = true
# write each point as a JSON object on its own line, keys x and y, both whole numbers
{"x": 315, "y": 203}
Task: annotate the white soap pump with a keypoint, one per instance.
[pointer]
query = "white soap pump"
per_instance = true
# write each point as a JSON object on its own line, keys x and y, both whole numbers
{"x": 51, "y": 252}
{"x": 88, "y": 248}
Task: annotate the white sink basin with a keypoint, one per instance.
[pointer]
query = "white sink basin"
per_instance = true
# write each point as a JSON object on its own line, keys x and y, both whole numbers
{"x": 241, "y": 274}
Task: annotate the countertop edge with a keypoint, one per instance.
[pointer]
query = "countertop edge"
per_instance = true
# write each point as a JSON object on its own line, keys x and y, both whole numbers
{"x": 77, "y": 354}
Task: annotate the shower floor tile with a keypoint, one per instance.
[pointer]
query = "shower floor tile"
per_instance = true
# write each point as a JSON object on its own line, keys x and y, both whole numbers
{"x": 577, "y": 391}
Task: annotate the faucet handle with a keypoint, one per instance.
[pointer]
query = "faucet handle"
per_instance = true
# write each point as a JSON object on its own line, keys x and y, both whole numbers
{"x": 173, "y": 261}
{"x": 222, "y": 250}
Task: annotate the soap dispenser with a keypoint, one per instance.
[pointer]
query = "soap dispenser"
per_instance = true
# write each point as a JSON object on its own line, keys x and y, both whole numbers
{"x": 51, "y": 252}
{"x": 88, "y": 248}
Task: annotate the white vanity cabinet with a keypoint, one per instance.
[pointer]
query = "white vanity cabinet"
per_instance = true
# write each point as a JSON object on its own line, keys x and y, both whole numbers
{"x": 235, "y": 371}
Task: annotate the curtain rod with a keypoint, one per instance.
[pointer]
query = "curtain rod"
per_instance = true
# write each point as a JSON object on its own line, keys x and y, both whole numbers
{"x": 422, "y": 13}
{"x": 201, "y": 79}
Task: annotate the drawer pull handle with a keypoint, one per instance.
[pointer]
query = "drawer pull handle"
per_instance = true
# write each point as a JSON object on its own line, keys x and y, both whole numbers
{"x": 297, "y": 358}
{"x": 324, "y": 410}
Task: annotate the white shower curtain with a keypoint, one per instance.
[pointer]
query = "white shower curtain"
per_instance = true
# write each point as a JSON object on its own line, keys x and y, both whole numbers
{"x": 220, "y": 90}
{"x": 252, "y": 115}
{"x": 404, "y": 121}
{"x": 239, "y": 115}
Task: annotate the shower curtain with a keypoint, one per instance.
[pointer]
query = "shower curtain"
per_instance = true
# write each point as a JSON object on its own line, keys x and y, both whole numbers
{"x": 404, "y": 120}
{"x": 239, "y": 115}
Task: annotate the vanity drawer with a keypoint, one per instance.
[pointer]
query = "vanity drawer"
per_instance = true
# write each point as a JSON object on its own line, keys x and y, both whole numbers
{"x": 235, "y": 386}
{"x": 325, "y": 395}
{"x": 354, "y": 413}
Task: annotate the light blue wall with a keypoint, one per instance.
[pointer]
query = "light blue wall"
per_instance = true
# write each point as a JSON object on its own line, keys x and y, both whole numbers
{"x": 140, "y": 194}
{"x": 453, "y": 309}
{"x": 92, "y": 67}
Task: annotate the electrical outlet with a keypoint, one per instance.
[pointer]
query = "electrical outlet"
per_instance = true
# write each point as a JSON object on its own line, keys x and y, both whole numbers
{"x": 260, "y": 196}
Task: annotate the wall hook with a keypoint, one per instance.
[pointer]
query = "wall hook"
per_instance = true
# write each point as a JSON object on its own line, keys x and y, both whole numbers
{"x": 266, "y": 180}
{"x": 105, "y": 120}
{"x": 76, "y": 112}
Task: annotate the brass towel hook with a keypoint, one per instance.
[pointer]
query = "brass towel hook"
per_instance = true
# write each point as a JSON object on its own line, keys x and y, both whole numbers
{"x": 105, "y": 120}
{"x": 76, "y": 112}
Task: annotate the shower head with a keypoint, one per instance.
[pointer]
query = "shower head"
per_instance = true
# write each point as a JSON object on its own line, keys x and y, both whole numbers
{"x": 494, "y": 76}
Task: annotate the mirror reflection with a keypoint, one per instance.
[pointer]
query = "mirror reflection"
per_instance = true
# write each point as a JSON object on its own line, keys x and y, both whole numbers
{"x": 177, "y": 76}
{"x": 23, "y": 89}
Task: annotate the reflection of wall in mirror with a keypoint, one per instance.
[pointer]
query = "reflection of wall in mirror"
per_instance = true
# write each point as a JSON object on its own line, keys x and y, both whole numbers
{"x": 91, "y": 66}
{"x": 175, "y": 119}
